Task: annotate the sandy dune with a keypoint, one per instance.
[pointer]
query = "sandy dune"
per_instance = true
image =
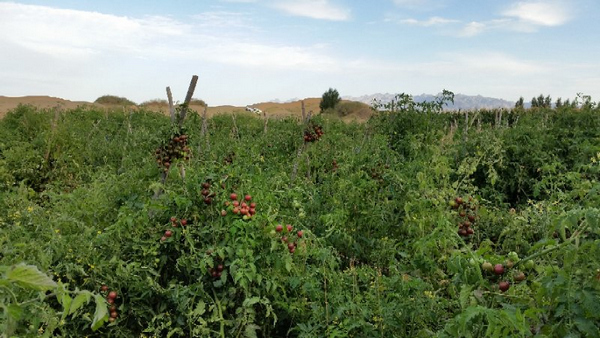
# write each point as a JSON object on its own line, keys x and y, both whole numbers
{"x": 272, "y": 109}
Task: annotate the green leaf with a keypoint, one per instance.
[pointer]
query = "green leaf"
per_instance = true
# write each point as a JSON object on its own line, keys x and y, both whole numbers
{"x": 288, "y": 265}
{"x": 250, "y": 301}
{"x": 200, "y": 309}
{"x": 79, "y": 301}
{"x": 586, "y": 326}
{"x": 15, "y": 311}
{"x": 65, "y": 301}
{"x": 101, "y": 313}
{"x": 28, "y": 276}
{"x": 250, "y": 330}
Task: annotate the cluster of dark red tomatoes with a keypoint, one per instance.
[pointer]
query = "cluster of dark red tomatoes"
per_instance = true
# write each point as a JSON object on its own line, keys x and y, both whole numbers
{"x": 174, "y": 223}
{"x": 467, "y": 211}
{"x": 206, "y": 193}
{"x": 244, "y": 208}
{"x": 110, "y": 299}
{"x": 498, "y": 271}
{"x": 175, "y": 149}
{"x": 313, "y": 133}
{"x": 287, "y": 237}
{"x": 217, "y": 270}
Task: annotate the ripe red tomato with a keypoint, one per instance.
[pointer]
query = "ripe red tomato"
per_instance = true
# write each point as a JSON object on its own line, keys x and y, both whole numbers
{"x": 112, "y": 295}
{"x": 248, "y": 198}
{"x": 223, "y": 213}
{"x": 253, "y": 205}
{"x": 110, "y": 301}
{"x": 173, "y": 219}
{"x": 279, "y": 228}
{"x": 503, "y": 286}
{"x": 104, "y": 288}
{"x": 163, "y": 238}
{"x": 114, "y": 314}
{"x": 220, "y": 267}
{"x": 289, "y": 227}
{"x": 300, "y": 233}
{"x": 233, "y": 196}
{"x": 168, "y": 233}
{"x": 236, "y": 203}
{"x": 184, "y": 221}
{"x": 498, "y": 269}
{"x": 205, "y": 185}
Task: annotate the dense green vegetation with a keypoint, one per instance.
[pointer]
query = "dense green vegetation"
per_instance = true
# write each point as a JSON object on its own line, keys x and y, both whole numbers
{"x": 415, "y": 224}
{"x": 114, "y": 100}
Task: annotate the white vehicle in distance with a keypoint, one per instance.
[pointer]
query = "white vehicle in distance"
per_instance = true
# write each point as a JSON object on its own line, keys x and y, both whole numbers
{"x": 253, "y": 110}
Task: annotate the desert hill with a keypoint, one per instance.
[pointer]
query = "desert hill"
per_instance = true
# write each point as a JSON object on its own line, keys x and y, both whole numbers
{"x": 272, "y": 109}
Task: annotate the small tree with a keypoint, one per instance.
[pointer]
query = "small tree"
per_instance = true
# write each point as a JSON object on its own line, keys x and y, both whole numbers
{"x": 520, "y": 104}
{"x": 329, "y": 99}
{"x": 534, "y": 102}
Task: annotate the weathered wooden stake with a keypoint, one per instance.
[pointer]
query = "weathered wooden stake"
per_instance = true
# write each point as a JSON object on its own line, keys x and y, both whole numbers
{"x": 171, "y": 106}
{"x": 303, "y": 113}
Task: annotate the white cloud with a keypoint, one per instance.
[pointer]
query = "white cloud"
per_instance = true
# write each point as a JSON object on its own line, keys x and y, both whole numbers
{"x": 71, "y": 34}
{"x": 422, "y": 5}
{"x": 212, "y": 36}
{"x": 315, "y": 9}
{"x": 539, "y": 13}
{"x": 433, "y": 21}
{"x": 472, "y": 28}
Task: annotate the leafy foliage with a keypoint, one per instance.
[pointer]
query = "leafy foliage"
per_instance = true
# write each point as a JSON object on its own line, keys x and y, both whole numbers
{"x": 114, "y": 100}
{"x": 84, "y": 212}
{"x": 329, "y": 99}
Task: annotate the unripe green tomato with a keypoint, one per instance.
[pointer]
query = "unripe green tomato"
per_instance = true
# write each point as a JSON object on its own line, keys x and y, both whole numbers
{"x": 157, "y": 260}
{"x": 301, "y": 215}
{"x": 513, "y": 256}
{"x": 487, "y": 266}
{"x": 529, "y": 265}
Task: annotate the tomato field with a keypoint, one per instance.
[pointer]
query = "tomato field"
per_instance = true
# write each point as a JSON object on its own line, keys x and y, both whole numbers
{"x": 416, "y": 223}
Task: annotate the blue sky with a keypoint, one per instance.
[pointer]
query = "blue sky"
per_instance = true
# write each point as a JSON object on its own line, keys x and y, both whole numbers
{"x": 250, "y": 51}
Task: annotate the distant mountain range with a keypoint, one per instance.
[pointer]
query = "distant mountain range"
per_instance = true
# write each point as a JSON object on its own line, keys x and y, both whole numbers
{"x": 463, "y": 102}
